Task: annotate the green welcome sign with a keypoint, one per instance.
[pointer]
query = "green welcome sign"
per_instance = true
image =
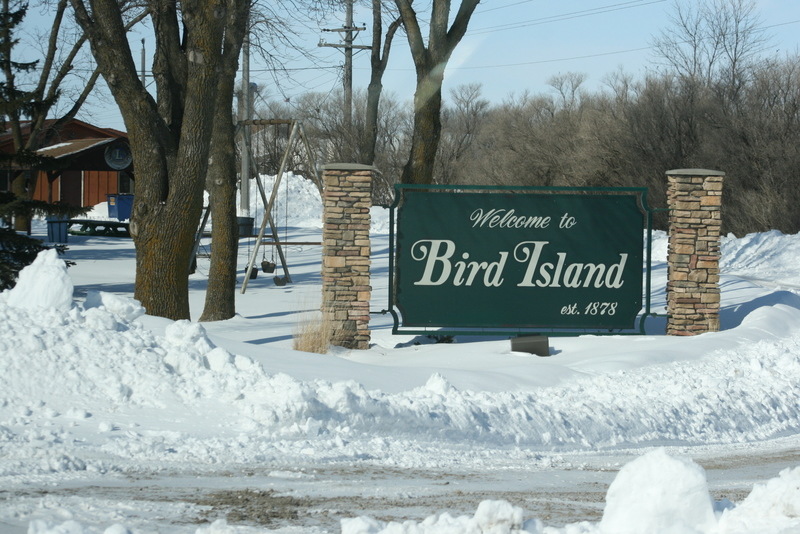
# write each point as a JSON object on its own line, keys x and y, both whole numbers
{"x": 521, "y": 259}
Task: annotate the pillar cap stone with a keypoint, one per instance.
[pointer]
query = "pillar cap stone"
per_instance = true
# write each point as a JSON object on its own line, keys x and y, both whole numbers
{"x": 348, "y": 167}
{"x": 694, "y": 172}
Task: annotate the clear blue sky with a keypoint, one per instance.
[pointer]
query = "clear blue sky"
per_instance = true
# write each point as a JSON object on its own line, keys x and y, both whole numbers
{"x": 514, "y": 45}
{"x": 511, "y": 46}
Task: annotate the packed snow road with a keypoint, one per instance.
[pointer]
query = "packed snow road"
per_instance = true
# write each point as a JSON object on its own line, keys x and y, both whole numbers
{"x": 558, "y": 490}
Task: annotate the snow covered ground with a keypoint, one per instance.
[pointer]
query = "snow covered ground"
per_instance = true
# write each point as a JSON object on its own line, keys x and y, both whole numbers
{"x": 117, "y": 422}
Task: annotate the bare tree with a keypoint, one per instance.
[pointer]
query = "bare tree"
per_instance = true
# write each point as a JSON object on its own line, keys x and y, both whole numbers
{"x": 220, "y": 303}
{"x": 712, "y": 40}
{"x": 430, "y": 61}
{"x": 270, "y": 35}
{"x": 379, "y": 59}
{"x": 461, "y": 123}
{"x": 568, "y": 86}
{"x": 761, "y": 144}
{"x": 170, "y": 136}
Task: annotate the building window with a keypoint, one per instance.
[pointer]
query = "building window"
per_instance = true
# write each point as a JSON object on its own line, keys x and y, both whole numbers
{"x": 126, "y": 183}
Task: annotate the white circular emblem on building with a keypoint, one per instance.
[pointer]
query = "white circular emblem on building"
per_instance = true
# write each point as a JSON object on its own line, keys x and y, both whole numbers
{"x": 118, "y": 156}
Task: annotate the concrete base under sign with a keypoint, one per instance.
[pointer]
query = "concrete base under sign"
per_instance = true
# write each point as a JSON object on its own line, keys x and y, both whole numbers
{"x": 538, "y": 345}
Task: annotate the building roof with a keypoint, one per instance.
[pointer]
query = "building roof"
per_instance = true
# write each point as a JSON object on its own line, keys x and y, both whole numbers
{"x": 73, "y": 130}
{"x": 70, "y": 148}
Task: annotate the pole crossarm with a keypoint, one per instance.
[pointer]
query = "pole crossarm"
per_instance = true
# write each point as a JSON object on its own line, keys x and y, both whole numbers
{"x": 355, "y": 28}
{"x": 332, "y": 45}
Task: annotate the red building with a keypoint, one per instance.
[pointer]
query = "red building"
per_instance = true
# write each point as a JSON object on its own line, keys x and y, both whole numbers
{"x": 92, "y": 163}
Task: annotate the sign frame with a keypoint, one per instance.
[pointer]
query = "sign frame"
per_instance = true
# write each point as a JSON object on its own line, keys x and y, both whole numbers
{"x": 405, "y": 318}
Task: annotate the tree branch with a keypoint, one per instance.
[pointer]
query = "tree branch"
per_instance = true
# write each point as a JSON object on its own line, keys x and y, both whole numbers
{"x": 52, "y": 46}
{"x": 459, "y": 27}
{"x": 169, "y": 64}
{"x": 413, "y": 33}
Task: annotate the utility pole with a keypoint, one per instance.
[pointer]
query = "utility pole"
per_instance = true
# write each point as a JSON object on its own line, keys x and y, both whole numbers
{"x": 348, "y": 67}
{"x": 350, "y": 32}
{"x": 143, "y": 60}
{"x": 246, "y": 113}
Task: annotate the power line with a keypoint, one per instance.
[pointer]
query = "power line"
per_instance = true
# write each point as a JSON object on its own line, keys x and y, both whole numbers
{"x": 565, "y": 16}
{"x": 556, "y": 60}
{"x": 505, "y": 6}
{"x": 572, "y": 58}
{"x": 541, "y": 61}
{"x": 298, "y": 69}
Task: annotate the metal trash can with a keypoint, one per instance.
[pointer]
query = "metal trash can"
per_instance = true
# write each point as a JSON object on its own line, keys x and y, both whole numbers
{"x": 57, "y": 230}
{"x": 120, "y": 207}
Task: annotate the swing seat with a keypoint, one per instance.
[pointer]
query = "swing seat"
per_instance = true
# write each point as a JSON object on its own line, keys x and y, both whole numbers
{"x": 280, "y": 280}
{"x": 268, "y": 266}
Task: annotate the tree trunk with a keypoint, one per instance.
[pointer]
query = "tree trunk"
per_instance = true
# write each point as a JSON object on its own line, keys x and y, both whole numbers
{"x": 220, "y": 301}
{"x": 167, "y": 208}
{"x": 374, "y": 90}
{"x": 430, "y": 61}
{"x": 163, "y": 247}
{"x": 379, "y": 59}
{"x": 163, "y": 227}
{"x": 22, "y": 222}
{"x": 427, "y": 131}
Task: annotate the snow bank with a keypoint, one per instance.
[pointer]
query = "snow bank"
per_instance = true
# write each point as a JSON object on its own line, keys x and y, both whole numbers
{"x": 763, "y": 256}
{"x": 44, "y": 284}
{"x": 69, "y": 359}
{"x": 298, "y": 205}
{"x": 98, "y": 356}
{"x": 773, "y": 506}
{"x": 491, "y": 517}
{"x": 658, "y": 493}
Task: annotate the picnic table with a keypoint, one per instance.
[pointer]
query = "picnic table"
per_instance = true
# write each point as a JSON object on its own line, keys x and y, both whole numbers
{"x": 98, "y": 227}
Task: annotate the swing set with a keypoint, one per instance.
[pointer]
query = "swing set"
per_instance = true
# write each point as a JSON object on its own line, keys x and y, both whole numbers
{"x": 297, "y": 140}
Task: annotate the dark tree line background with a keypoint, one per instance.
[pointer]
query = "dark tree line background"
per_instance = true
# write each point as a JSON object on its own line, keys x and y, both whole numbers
{"x": 718, "y": 97}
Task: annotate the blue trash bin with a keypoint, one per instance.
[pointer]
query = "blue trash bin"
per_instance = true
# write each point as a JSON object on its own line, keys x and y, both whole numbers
{"x": 120, "y": 206}
{"x": 57, "y": 230}
{"x": 245, "y": 226}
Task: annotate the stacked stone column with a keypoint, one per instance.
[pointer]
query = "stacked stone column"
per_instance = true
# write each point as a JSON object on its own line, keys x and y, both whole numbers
{"x": 694, "y": 198}
{"x": 346, "y": 289}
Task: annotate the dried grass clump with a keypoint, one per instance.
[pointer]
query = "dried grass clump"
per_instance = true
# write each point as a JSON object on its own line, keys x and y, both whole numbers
{"x": 314, "y": 334}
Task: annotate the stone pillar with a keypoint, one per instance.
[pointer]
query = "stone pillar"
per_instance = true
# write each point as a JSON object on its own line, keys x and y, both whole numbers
{"x": 694, "y": 198}
{"x": 346, "y": 289}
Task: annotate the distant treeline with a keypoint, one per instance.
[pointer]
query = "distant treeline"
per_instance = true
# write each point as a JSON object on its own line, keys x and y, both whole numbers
{"x": 627, "y": 135}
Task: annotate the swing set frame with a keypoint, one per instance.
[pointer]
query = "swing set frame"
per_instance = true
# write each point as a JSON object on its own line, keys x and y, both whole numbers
{"x": 297, "y": 138}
